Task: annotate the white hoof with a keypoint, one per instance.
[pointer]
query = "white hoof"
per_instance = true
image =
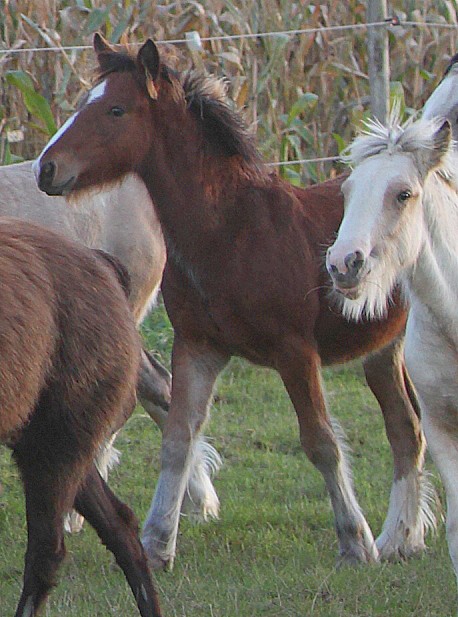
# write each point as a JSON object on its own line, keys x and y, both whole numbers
{"x": 73, "y": 522}
{"x": 160, "y": 555}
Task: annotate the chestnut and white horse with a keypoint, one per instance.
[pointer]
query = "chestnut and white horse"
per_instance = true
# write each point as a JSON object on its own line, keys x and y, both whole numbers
{"x": 400, "y": 225}
{"x": 243, "y": 277}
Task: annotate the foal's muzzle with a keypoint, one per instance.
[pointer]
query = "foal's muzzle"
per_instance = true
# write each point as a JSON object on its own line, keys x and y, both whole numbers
{"x": 46, "y": 180}
{"x": 346, "y": 273}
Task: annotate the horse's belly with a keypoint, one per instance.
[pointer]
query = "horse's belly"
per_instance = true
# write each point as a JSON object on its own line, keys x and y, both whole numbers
{"x": 252, "y": 331}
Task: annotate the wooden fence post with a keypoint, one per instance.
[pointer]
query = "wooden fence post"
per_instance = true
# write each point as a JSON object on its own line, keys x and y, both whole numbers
{"x": 378, "y": 58}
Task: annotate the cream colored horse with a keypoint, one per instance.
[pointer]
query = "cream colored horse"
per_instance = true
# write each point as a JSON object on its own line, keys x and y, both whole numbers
{"x": 121, "y": 221}
{"x": 400, "y": 225}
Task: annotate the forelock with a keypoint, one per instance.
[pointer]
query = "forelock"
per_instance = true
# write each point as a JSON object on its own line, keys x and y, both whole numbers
{"x": 394, "y": 137}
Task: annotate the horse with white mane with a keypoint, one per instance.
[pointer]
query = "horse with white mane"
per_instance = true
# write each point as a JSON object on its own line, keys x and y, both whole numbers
{"x": 400, "y": 225}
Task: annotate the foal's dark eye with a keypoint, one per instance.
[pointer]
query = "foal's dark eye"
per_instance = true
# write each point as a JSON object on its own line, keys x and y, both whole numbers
{"x": 117, "y": 112}
{"x": 404, "y": 196}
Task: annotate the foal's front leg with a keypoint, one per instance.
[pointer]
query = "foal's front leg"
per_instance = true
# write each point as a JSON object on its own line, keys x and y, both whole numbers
{"x": 300, "y": 369}
{"x": 200, "y": 500}
{"x": 195, "y": 367}
{"x": 410, "y": 511}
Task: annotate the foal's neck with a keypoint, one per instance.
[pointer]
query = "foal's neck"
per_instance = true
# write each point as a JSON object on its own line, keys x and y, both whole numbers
{"x": 194, "y": 188}
{"x": 433, "y": 281}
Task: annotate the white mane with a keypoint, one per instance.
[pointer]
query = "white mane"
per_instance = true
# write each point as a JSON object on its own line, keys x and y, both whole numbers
{"x": 411, "y": 136}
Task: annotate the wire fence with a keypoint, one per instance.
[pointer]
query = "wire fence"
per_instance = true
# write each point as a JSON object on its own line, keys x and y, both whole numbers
{"x": 195, "y": 42}
{"x": 388, "y": 23}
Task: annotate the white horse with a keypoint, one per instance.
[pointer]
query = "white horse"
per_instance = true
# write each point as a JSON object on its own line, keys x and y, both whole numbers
{"x": 400, "y": 225}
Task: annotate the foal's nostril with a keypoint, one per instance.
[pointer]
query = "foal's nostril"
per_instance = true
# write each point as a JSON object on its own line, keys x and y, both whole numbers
{"x": 47, "y": 172}
{"x": 354, "y": 262}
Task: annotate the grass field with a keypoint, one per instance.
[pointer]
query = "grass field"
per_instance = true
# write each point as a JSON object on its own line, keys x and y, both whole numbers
{"x": 273, "y": 550}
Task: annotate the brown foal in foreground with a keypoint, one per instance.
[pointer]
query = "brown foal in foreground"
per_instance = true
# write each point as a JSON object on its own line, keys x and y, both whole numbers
{"x": 122, "y": 221}
{"x": 69, "y": 359}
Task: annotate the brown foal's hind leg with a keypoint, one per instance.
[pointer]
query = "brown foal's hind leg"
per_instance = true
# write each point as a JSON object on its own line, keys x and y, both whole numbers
{"x": 409, "y": 513}
{"x": 48, "y": 496}
{"x": 154, "y": 388}
{"x": 300, "y": 370}
{"x": 117, "y": 527}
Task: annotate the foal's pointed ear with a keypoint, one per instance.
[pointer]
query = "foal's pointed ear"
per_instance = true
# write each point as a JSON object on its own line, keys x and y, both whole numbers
{"x": 100, "y": 44}
{"x": 431, "y": 158}
{"x": 442, "y": 137}
{"x": 104, "y": 52}
{"x": 441, "y": 143}
{"x": 148, "y": 57}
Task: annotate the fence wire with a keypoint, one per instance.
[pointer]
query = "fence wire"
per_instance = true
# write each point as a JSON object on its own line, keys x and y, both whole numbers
{"x": 391, "y": 22}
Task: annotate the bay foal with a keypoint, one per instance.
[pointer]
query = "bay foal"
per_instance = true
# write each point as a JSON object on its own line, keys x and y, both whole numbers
{"x": 244, "y": 276}
{"x": 69, "y": 358}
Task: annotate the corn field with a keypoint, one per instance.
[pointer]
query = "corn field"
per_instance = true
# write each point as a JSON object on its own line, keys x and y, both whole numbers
{"x": 303, "y": 93}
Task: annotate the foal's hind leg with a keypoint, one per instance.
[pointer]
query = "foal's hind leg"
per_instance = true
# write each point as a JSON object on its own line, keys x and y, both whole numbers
{"x": 107, "y": 457}
{"x": 409, "y": 513}
{"x": 117, "y": 527}
{"x": 440, "y": 420}
{"x": 300, "y": 371}
{"x": 49, "y": 494}
{"x": 195, "y": 369}
{"x": 153, "y": 388}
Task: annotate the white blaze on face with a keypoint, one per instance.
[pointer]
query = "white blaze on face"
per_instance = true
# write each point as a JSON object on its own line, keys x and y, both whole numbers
{"x": 364, "y": 191}
{"x": 36, "y": 166}
{"x": 94, "y": 95}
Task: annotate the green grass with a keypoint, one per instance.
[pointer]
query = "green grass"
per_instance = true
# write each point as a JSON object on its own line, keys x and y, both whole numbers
{"x": 273, "y": 550}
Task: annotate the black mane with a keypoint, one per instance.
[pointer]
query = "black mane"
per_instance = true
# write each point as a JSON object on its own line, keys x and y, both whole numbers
{"x": 223, "y": 125}
{"x": 224, "y": 128}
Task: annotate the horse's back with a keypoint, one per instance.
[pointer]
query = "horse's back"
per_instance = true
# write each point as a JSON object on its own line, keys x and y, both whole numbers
{"x": 54, "y": 328}
{"x": 120, "y": 220}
